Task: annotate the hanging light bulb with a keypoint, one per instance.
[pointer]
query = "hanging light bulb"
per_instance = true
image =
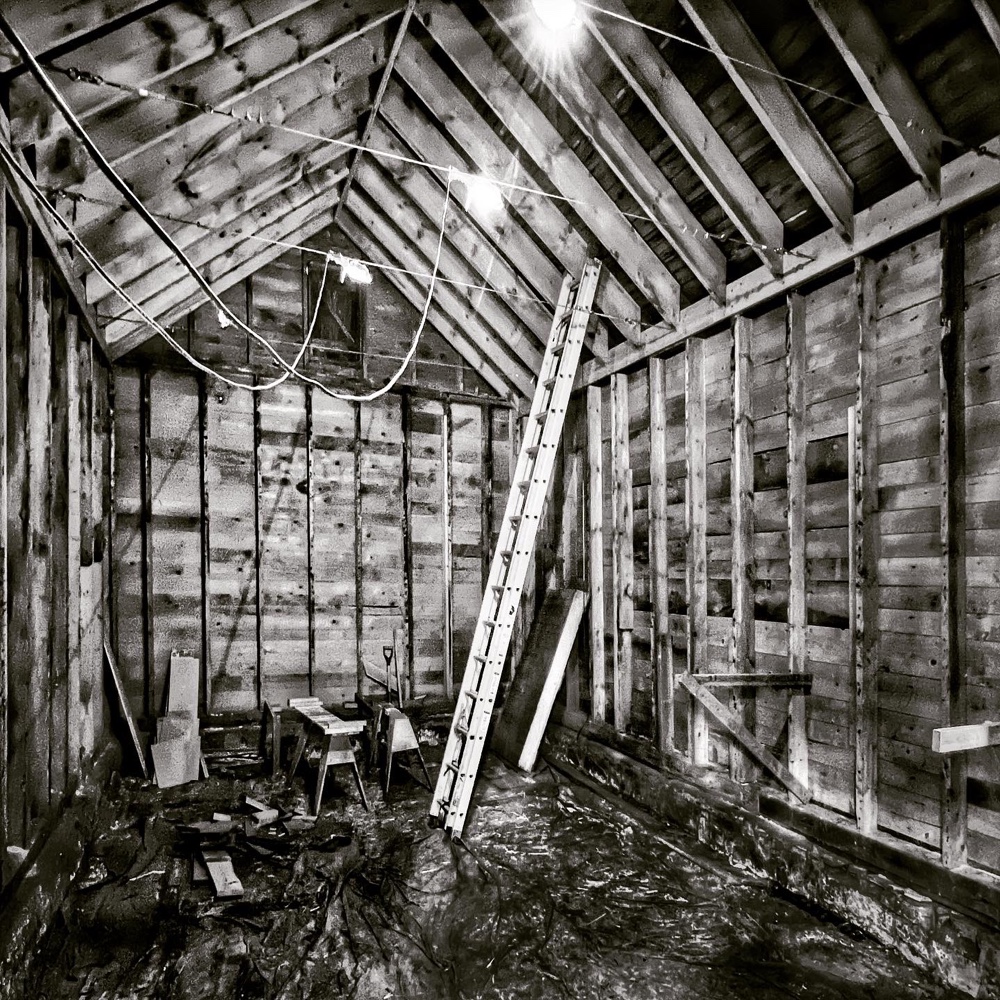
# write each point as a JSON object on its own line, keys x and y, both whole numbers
{"x": 483, "y": 196}
{"x": 556, "y": 15}
{"x": 352, "y": 268}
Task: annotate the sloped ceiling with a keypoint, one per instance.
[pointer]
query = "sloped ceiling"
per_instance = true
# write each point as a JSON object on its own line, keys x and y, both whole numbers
{"x": 684, "y": 159}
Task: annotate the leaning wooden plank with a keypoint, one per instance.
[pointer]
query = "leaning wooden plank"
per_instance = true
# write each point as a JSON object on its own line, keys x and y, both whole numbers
{"x": 182, "y": 691}
{"x": 729, "y": 721}
{"x": 126, "y": 710}
{"x": 955, "y": 739}
{"x": 519, "y": 732}
{"x": 176, "y": 761}
{"x": 220, "y": 871}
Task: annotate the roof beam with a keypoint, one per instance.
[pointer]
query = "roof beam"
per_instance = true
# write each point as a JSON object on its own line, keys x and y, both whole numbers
{"x": 409, "y": 255}
{"x": 536, "y": 135}
{"x": 439, "y": 320}
{"x": 904, "y": 113}
{"x": 632, "y": 165}
{"x": 295, "y": 216}
{"x": 964, "y": 180}
{"x": 486, "y": 150}
{"x": 988, "y": 14}
{"x": 779, "y": 110}
{"x": 688, "y": 128}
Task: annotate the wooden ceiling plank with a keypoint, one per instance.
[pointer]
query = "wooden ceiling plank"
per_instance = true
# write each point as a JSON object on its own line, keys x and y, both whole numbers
{"x": 990, "y": 17}
{"x": 676, "y": 112}
{"x": 864, "y": 47}
{"x": 536, "y": 135}
{"x": 595, "y": 117}
{"x": 965, "y": 180}
{"x": 148, "y": 253}
{"x": 375, "y": 108}
{"x": 436, "y": 316}
{"x": 486, "y": 150}
{"x": 419, "y": 223}
{"x": 473, "y": 322}
{"x": 779, "y": 110}
{"x": 302, "y": 216}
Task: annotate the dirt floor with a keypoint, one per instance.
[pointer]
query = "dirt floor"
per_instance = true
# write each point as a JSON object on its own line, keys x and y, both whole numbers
{"x": 554, "y": 893}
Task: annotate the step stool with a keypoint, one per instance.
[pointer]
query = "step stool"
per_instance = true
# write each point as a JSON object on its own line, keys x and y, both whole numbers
{"x": 395, "y": 731}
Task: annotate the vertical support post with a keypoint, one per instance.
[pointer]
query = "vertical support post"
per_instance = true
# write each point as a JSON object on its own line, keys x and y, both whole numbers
{"x": 743, "y": 654}
{"x": 146, "y": 538}
{"x": 310, "y": 543}
{"x": 622, "y": 557}
{"x": 404, "y": 416}
{"x": 865, "y": 516}
{"x": 697, "y": 555}
{"x": 206, "y": 546}
{"x": 659, "y": 561}
{"x": 71, "y": 362}
{"x": 795, "y": 380}
{"x": 359, "y": 554}
{"x": 258, "y": 536}
{"x": 4, "y": 586}
{"x": 595, "y": 555}
{"x": 570, "y": 534}
{"x": 954, "y": 802}
{"x": 446, "y": 548}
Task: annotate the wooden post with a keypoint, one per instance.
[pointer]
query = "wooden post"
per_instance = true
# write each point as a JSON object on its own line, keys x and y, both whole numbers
{"x": 954, "y": 802}
{"x": 622, "y": 557}
{"x": 659, "y": 561}
{"x": 359, "y": 554}
{"x": 570, "y": 533}
{"x": 865, "y": 517}
{"x": 446, "y": 547}
{"x": 795, "y": 379}
{"x": 310, "y": 542}
{"x": 258, "y": 534}
{"x": 697, "y": 556}
{"x": 4, "y": 588}
{"x": 71, "y": 362}
{"x": 595, "y": 555}
{"x": 743, "y": 655}
{"x": 205, "y": 700}
{"x": 404, "y": 408}
{"x": 146, "y": 539}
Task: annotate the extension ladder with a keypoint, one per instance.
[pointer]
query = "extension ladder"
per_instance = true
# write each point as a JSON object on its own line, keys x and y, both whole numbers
{"x": 516, "y": 542}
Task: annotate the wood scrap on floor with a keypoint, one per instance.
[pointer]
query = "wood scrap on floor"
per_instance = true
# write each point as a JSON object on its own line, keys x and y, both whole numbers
{"x": 220, "y": 871}
{"x": 519, "y": 731}
{"x": 177, "y": 757}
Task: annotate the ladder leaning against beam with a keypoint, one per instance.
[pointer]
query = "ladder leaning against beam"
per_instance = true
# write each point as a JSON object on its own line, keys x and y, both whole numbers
{"x": 509, "y": 565}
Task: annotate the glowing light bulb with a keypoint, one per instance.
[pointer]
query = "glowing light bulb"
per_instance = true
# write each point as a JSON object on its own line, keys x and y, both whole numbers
{"x": 352, "y": 268}
{"x": 482, "y": 195}
{"x": 556, "y": 15}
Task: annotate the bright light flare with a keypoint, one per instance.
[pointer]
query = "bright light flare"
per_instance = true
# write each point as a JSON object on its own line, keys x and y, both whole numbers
{"x": 483, "y": 196}
{"x": 556, "y": 15}
{"x": 352, "y": 268}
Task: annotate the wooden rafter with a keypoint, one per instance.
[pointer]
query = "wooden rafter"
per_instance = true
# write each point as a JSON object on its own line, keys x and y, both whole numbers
{"x": 597, "y": 119}
{"x": 689, "y": 129}
{"x": 536, "y": 135}
{"x": 778, "y": 109}
{"x": 862, "y": 44}
{"x": 990, "y": 17}
{"x": 470, "y": 133}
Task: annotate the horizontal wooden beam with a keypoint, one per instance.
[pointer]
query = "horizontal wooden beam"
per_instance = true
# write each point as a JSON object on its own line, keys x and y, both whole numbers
{"x": 955, "y": 739}
{"x": 729, "y": 721}
{"x": 966, "y": 179}
{"x": 796, "y": 681}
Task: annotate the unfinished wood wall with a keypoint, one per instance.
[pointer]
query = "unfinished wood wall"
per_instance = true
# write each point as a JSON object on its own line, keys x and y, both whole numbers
{"x": 285, "y": 537}
{"x": 814, "y": 488}
{"x": 54, "y": 522}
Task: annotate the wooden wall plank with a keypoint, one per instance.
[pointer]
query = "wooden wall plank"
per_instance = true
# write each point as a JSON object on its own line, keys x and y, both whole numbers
{"x": 74, "y": 707}
{"x": 865, "y": 504}
{"x": 659, "y": 559}
{"x": 448, "y": 651}
{"x": 4, "y": 551}
{"x": 622, "y": 569}
{"x": 595, "y": 555}
{"x": 743, "y": 657}
{"x": 696, "y": 520}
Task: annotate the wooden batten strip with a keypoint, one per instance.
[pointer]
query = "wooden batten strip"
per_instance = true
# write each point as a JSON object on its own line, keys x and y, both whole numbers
{"x": 5, "y": 274}
{"x": 405, "y": 472}
{"x": 795, "y": 381}
{"x": 446, "y": 552}
{"x": 359, "y": 554}
{"x": 74, "y": 733}
{"x": 696, "y": 513}
{"x": 146, "y": 534}
{"x": 864, "y": 517}
{"x": 622, "y": 563}
{"x": 659, "y": 561}
{"x": 743, "y": 656}
{"x": 954, "y": 697}
{"x": 570, "y": 536}
{"x": 258, "y": 532}
{"x": 205, "y": 697}
{"x": 310, "y": 529}
{"x": 595, "y": 555}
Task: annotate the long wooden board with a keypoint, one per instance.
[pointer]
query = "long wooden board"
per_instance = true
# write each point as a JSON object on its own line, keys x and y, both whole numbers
{"x": 526, "y": 711}
{"x": 124, "y": 705}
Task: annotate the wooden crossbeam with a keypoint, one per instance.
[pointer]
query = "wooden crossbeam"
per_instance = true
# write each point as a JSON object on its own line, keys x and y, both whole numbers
{"x": 862, "y": 44}
{"x": 795, "y": 682}
{"x": 955, "y": 739}
{"x": 729, "y": 721}
{"x": 778, "y": 109}
{"x": 540, "y": 140}
{"x": 594, "y": 115}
